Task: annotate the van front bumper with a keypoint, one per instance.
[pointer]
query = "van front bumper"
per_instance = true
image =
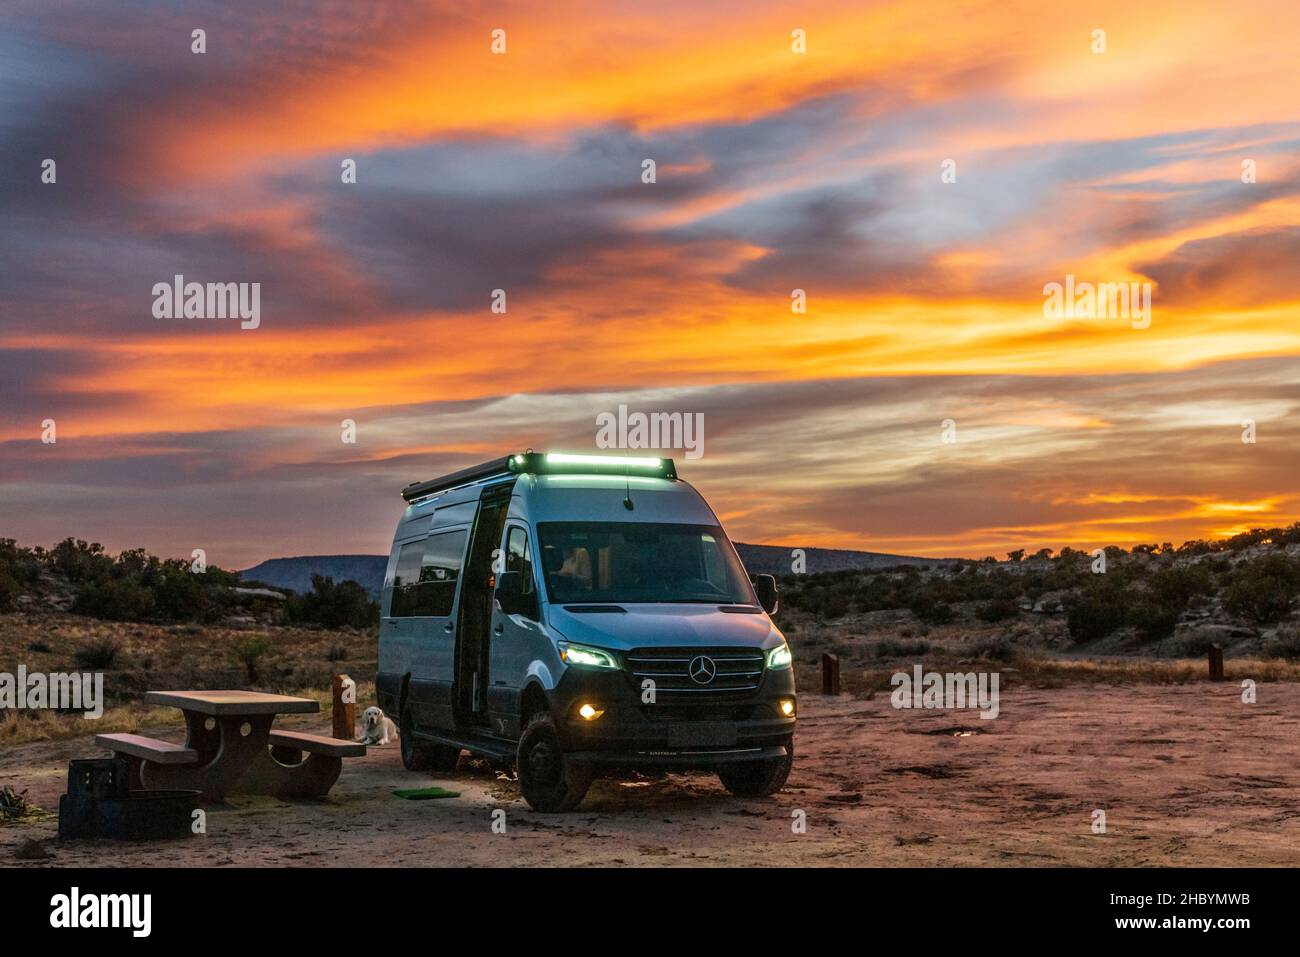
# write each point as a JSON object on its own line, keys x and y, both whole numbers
{"x": 679, "y": 730}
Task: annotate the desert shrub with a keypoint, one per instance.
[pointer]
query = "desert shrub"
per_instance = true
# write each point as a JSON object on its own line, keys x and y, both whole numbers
{"x": 1096, "y": 610}
{"x": 1242, "y": 540}
{"x": 39, "y": 647}
{"x": 837, "y": 604}
{"x": 1283, "y": 537}
{"x": 9, "y": 589}
{"x": 115, "y": 599}
{"x": 994, "y": 649}
{"x": 24, "y": 564}
{"x": 1264, "y": 589}
{"x": 249, "y": 653}
{"x": 1192, "y": 646}
{"x": 999, "y": 609}
{"x": 1165, "y": 596}
{"x": 138, "y": 586}
{"x": 892, "y": 648}
{"x": 1153, "y": 620}
{"x": 334, "y": 605}
{"x": 98, "y": 654}
{"x": 181, "y": 595}
{"x": 932, "y": 612}
{"x": 1181, "y": 586}
{"x": 337, "y": 653}
{"x": 79, "y": 561}
{"x": 1285, "y": 644}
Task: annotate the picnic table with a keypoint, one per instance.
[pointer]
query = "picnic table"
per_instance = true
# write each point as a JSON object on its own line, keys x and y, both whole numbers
{"x": 230, "y": 747}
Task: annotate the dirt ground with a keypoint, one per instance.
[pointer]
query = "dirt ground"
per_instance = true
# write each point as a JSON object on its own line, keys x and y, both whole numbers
{"x": 1186, "y": 775}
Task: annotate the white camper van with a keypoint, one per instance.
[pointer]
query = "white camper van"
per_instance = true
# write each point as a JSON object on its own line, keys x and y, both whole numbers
{"x": 576, "y": 614}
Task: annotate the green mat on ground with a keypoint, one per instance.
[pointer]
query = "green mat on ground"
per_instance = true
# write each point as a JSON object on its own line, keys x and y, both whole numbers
{"x": 426, "y": 794}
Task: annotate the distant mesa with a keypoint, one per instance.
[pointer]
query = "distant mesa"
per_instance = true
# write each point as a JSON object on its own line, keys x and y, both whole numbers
{"x": 295, "y": 573}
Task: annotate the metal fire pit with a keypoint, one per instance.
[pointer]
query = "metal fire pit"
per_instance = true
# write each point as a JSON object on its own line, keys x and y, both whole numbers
{"x": 100, "y": 803}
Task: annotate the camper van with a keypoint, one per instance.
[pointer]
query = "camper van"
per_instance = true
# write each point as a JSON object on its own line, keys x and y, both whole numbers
{"x": 575, "y": 614}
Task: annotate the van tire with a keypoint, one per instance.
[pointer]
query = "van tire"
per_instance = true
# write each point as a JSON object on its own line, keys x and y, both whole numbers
{"x": 550, "y": 780}
{"x": 758, "y": 778}
{"x": 420, "y": 755}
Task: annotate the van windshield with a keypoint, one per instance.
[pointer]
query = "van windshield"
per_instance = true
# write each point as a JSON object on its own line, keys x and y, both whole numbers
{"x": 641, "y": 562}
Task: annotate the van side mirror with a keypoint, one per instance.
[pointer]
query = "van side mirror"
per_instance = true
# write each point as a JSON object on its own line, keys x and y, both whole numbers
{"x": 511, "y": 597}
{"x": 765, "y": 588}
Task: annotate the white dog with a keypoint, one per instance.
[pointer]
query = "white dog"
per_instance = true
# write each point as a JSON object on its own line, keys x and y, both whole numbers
{"x": 377, "y": 727}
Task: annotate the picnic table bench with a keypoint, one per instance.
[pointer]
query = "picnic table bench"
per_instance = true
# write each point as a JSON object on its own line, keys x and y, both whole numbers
{"x": 230, "y": 748}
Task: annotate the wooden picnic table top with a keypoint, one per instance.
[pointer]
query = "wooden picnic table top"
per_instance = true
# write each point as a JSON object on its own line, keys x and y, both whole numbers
{"x": 219, "y": 703}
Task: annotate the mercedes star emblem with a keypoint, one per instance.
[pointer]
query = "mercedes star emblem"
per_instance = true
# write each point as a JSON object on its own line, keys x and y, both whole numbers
{"x": 702, "y": 669}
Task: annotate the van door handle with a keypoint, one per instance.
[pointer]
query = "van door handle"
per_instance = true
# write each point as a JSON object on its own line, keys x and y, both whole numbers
{"x": 498, "y": 630}
{"x": 449, "y": 628}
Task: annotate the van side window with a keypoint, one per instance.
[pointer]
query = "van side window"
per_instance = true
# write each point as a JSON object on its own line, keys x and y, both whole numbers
{"x": 406, "y": 574}
{"x": 425, "y": 582}
{"x": 436, "y": 591}
{"x": 519, "y": 556}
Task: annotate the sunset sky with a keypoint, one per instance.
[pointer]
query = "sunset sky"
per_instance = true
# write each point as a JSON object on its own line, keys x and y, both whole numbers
{"x": 776, "y": 171}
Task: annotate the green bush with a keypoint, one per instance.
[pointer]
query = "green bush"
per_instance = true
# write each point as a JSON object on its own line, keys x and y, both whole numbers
{"x": 1096, "y": 610}
{"x": 999, "y": 609}
{"x": 1264, "y": 589}
{"x": 334, "y": 605}
{"x": 182, "y": 595}
{"x": 1153, "y": 620}
{"x": 994, "y": 649}
{"x": 1285, "y": 644}
{"x": 22, "y": 565}
{"x": 1179, "y": 587}
{"x": 97, "y": 654}
{"x": 78, "y": 561}
{"x": 116, "y": 599}
{"x": 932, "y": 612}
{"x": 9, "y": 589}
{"x": 135, "y": 586}
{"x": 1192, "y": 646}
{"x": 249, "y": 653}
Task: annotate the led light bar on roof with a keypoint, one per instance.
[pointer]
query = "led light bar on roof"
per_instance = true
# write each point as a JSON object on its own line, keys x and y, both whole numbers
{"x": 546, "y": 463}
{"x": 576, "y": 463}
{"x": 603, "y": 461}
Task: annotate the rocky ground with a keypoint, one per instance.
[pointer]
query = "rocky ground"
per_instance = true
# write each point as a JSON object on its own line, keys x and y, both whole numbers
{"x": 1186, "y": 775}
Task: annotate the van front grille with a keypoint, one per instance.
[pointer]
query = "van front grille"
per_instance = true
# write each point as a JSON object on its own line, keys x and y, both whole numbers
{"x": 697, "y": 673}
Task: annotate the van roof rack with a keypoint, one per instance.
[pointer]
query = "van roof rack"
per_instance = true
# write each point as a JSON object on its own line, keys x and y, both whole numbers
{"x": 545, "y": 463}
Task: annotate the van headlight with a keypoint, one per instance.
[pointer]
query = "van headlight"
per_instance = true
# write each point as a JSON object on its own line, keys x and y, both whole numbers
{"x": 779, "y": 657}
{"x": 584, "y": 656}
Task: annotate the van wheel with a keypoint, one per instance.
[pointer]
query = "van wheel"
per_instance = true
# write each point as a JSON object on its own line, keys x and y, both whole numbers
{"x": 758, "y": 778}
{"x": 550, "y": 780}
{"x": 420, "y": 755}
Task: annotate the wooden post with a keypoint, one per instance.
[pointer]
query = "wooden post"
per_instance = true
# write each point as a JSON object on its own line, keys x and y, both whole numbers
{"x": 1216, "y": 663}
{"x": 344, "y": 714}
{"x": 830, "y": 674}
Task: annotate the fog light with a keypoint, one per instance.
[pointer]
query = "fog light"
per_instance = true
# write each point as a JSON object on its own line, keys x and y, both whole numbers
{"x": 787, "y": 707}
{"x": 590, "y": 713}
